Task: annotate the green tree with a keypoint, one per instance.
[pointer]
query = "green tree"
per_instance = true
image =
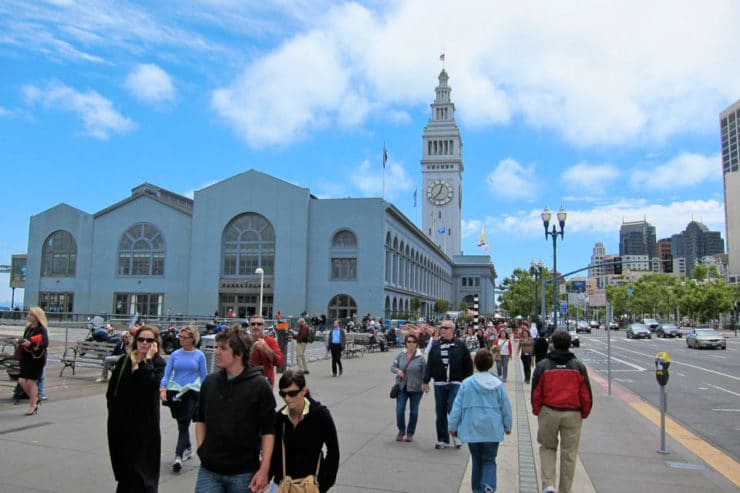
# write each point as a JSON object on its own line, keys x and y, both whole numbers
{"x": 463, "y": 307}
{"x": 518, "y": 293}
{"x": 441, "y": 306}
{"x": 415, "y": 304}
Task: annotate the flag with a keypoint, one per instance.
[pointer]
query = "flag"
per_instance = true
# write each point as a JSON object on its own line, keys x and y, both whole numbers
{"x": 415, "y": 189}
{"x": 442, "y": 57}
{"x": 482, "y": 241}
{"x": 385, "y": 156}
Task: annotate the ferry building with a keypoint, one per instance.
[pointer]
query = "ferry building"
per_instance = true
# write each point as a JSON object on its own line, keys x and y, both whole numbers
{"x": 158, "y": 252}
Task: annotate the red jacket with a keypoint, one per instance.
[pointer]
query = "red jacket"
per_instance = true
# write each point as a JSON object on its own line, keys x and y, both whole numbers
{"x": 561, "y": 382}
{"x": 258, "y": 358}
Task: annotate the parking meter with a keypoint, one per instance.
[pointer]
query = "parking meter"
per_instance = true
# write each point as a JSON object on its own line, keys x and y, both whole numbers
{"x": 662, "y": 363}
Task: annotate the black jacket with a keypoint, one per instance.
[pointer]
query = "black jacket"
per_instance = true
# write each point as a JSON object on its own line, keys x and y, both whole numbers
{"x": 303, "y": 444}
{"x": 236, "y": 414}
{"x": 460, "y": 362}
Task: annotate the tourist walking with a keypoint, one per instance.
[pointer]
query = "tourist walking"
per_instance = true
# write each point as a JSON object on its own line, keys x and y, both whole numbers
{"x": 408, "y": 367}
{"x": 301, "y": 341}
{"x": 134, "y": 440}
{"x": 180, "y": 388}
{"x": 525, "y": 349}
{"x": 503, "y": 343}
{"x": 33, "y": 346}
{"x": 561, "y": 400}
{"x": 480, "y": 416}
{"x": 448, "y": 363}
{"x": 336, "y": 341}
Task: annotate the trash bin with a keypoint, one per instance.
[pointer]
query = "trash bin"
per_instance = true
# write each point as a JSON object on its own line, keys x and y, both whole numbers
{"x": 208, "y": 346}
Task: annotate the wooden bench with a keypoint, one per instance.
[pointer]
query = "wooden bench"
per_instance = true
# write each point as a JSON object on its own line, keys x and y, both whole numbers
{"x": 87, "y": 353}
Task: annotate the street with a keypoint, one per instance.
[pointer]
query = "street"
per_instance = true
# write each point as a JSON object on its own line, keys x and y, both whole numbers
{"x": 703, "y": 392}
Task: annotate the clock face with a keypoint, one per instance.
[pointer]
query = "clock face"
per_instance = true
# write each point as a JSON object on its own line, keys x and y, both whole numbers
{"x": 439, "y": 192}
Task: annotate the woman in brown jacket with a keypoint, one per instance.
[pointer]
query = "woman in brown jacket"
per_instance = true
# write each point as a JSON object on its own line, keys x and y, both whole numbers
{"x": 525, "y": 350}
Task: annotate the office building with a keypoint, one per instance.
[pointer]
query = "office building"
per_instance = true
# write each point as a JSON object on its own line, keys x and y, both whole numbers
{"x": 730, "y": 134}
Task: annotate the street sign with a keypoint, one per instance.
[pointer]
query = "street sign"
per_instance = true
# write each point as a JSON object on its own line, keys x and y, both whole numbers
{"x": 578, "y": 286}
{"x": 563, "y": 307}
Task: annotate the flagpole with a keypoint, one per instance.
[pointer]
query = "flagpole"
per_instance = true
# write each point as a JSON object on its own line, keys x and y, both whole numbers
{"x": 384, "y": 158}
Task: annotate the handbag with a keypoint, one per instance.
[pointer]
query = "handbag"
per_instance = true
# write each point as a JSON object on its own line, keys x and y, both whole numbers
{"x": 308, "y": 484}
{"x": 496, "y": 349}
{"x": 397, "y": 387}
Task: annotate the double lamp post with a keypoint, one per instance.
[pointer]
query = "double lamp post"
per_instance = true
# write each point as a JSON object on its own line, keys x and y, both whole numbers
{"x": 546, "y": 216}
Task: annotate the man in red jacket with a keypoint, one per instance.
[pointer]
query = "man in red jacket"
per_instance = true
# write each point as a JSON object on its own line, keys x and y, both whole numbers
{"x": 265, "y": 349}
{"x": 561, "y": 400}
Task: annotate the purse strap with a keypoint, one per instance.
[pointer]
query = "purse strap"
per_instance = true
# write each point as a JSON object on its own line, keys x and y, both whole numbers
{"x": 318, "y": 462}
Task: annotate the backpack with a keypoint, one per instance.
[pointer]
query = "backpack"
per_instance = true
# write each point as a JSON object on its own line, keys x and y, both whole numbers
{"x": 311, "y": 337}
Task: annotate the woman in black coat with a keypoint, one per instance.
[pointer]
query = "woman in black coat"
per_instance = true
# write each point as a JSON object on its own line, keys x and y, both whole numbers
{"x": 134, "y": 439}
{"x": 33, "y": 347}
{"x": 305, "y": 426}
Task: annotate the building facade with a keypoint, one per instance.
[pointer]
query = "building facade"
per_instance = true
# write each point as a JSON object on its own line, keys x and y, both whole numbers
{"x": 730, "y": 134}
{"x": 637, "y": 238}
{"x": 157, "y": 252}
{"x": 696, "y": 242}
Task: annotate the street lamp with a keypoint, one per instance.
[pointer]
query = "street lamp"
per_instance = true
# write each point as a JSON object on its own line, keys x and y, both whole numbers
{"x": 261, "y": 272}
{"x": 546, "y": 216}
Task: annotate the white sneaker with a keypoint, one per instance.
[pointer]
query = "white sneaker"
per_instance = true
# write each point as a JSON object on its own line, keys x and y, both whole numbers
{"x": 440, "y": 445}
{"x": 456, "y": 442}
{"x": 187, "y": 454}
{"x": 549, "y": 489}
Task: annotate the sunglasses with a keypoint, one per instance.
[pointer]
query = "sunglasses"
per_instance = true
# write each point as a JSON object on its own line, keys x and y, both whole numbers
{"x": 412, "y": 341}
{"x": 289, "y": 393}
{"x": 145, "y": 339}
{"x": 256, "y": 324}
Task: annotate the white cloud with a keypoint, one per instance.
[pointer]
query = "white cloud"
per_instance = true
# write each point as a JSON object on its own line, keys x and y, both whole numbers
{"x": 685, "y": 170}
{"x": 98, "y": 116}
{"x": 151, "y": 84}
{"x": 511, "y": 180}
{"x": 667, "y": 218}
{"x": 589, "y": 178}
{"x": 368, "y": 179}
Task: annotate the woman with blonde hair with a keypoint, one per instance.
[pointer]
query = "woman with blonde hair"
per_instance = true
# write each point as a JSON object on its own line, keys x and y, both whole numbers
{"x": 134, "y": 440}
{"x": 33, "y": 346}
{"x": 179, "y": 389}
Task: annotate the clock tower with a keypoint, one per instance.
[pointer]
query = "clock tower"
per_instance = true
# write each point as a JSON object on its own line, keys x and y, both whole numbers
{"x": 441, "y": 171}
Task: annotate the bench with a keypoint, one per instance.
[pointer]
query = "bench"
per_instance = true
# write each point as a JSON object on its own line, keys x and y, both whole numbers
{"x": 86, "y": 352}
{"x": 352, "y": 350}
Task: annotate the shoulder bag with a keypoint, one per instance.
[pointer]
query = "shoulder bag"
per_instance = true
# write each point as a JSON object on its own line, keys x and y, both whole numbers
{"x": 308, "y": 484}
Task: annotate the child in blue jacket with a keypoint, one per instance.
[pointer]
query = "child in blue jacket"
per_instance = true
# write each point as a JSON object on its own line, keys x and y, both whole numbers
{"x": 480, "y": 416}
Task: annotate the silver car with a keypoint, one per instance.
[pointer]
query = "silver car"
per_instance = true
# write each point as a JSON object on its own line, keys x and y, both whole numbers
{"x": 638, "y": 331}
{"x": 699, "y": 338}
{"x": 668, "y": 330}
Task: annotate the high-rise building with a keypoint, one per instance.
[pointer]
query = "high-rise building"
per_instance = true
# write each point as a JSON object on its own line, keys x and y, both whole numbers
{"x": 730, "y": 134}
{"x": 637, "y": 238}
{"x": 441, "y": 170}
{"x": 665, "y": 257}
{"x": 695, "y": 242}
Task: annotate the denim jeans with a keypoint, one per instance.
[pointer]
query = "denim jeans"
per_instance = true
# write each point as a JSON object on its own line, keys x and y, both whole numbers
{"x": 483, "y": 458}
{"x": 414, "y": 398}
{"x": 444, "y": 397}
{"x": 211, "y": 482}
{"x": 502, "y": 367}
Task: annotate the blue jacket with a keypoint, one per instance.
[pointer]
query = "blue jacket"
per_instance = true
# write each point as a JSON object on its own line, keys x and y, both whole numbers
{"x": 481, "y": 412}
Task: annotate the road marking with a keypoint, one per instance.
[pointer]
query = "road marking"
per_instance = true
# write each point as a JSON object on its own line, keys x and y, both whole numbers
{"x": 674, "y": 362}
{"x": 712, "y": 456}
{"x": 727, "y": 411}
{"x": 619, "y": 360}
{"x": 724, "y": 390}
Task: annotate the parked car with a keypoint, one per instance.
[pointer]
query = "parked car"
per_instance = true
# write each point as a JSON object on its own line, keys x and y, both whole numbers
{"x": 668, "y": 330}
{"x": 575, "y": 341}
{"x": 638, "y": 331}
{"x": 582, "y": 326}
{"x": 699, "y": 338}
{"x": 651, "y": 324}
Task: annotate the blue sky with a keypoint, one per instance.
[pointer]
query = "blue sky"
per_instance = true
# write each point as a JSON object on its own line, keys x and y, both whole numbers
{"x": 608, "y": 108}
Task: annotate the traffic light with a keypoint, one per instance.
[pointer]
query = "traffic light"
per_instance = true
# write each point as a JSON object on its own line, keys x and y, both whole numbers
{"x": 617, "y": 265}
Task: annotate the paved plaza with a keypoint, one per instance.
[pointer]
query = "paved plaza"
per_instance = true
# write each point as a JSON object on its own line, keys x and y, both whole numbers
{"x": 63, "y": 448}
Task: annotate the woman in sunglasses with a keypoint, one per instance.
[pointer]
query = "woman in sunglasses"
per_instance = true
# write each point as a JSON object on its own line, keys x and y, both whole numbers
{"x": 133, "y": 414}
{"x": 408, "y": 367}
{"x": 304, "y": 427}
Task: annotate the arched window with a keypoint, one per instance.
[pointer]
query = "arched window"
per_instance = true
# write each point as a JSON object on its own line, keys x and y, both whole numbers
{"x": 342, "y": 306}
{"x": 141, "y": 251}
{"x": 344, "y": 256}
{"x": 59, "y": 255}
{"x": 248, "y": 242}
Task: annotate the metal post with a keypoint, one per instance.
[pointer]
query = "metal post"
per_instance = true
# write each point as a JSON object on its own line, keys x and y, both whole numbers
{"x": 555, "y": 290}
{"x": 609, "y": 316}
{"x": 542, "y": 303}
{"x": 662, "y": 420}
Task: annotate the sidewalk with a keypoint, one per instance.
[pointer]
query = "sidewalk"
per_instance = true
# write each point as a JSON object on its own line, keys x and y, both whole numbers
{"x": 64, "y": 448}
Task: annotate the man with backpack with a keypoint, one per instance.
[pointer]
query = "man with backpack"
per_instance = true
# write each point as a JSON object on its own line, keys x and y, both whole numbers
{"x": 301, "y": 341}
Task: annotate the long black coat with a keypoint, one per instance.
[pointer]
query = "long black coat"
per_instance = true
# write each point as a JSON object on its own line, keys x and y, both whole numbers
{"x": 134, "y": 440}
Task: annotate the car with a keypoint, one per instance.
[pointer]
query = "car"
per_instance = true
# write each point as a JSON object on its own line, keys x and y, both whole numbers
{"x": 699, "y": 338}
{"x": 613, "y": 325}
{"x": 594, "y": 324}
{"x": 668, "y": 330}
{"x": 575, "y": 340}
{"x": 651, "y": 324}
{"x": 583, "y": 326}
{"x": 638, "y": 331}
